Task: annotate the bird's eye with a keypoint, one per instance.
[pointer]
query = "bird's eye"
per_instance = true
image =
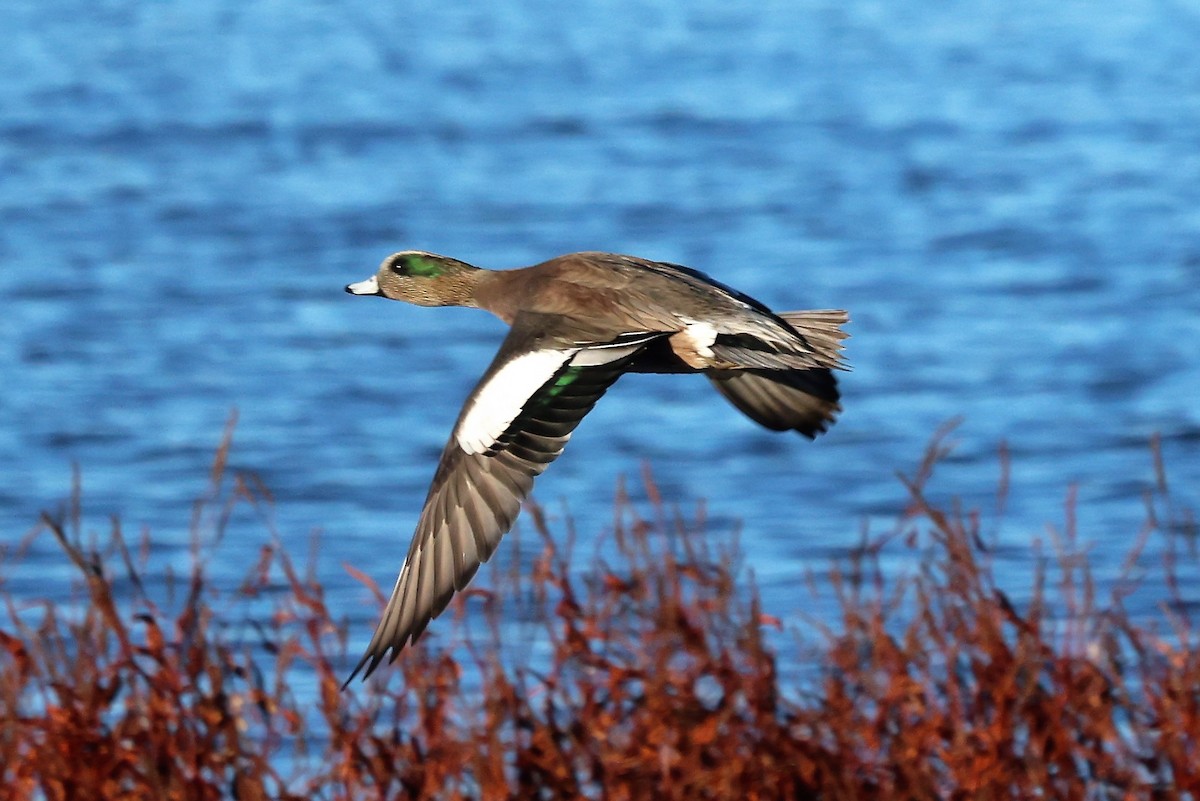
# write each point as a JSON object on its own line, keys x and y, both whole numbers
{"x": 399, "y": 267}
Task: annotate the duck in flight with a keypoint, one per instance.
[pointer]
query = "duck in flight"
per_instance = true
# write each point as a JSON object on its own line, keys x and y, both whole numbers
{"x": 577, "y": 323}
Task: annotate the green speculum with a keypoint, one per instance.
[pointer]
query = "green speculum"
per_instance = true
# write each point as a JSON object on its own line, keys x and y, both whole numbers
{"x": 565, "y": 380}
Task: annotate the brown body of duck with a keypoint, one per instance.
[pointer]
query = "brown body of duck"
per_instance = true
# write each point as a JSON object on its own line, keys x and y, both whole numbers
{"x": 578, "y": 322}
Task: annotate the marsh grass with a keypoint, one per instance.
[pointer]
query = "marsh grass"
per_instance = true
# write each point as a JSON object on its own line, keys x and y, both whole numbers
{"x": 657, "y": 679}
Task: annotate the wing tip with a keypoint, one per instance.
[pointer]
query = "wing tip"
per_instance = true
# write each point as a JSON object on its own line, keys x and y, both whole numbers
{"x": 375, "y": 656}
{"x": 369, "y": 656}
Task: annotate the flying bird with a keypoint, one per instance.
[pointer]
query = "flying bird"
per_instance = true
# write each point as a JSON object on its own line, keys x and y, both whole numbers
{"x": 577, "y": 323}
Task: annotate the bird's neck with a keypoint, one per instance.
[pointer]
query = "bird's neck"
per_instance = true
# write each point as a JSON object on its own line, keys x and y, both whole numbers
{"x": 498, "y": 291}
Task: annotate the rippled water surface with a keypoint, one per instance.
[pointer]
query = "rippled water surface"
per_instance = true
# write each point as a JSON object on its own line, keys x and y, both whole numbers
{"x": 1005, "y": 196}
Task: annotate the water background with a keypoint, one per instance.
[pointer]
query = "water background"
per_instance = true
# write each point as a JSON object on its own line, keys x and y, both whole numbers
{"x": 1006, "y": 196}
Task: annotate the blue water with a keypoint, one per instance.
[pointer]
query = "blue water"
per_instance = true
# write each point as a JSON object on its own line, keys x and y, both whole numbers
{"x": 1004, "y": 195}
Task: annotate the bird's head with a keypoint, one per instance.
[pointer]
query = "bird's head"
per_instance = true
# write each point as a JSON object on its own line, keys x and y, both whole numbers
{"x": 425, "y": 279}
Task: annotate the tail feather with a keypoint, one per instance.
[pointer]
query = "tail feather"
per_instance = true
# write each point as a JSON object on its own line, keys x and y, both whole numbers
{"x": 805, "y": 340}
{"x": 822, "y": 331}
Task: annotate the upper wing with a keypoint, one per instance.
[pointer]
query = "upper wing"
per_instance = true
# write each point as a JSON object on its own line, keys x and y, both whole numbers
{"x": 515, "y": 422}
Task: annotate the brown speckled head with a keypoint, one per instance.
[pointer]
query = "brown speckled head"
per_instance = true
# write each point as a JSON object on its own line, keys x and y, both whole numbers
{"x": 425, "y": 279}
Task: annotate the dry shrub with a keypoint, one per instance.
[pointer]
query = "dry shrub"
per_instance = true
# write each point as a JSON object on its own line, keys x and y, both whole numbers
{"x": 654, "y": 678}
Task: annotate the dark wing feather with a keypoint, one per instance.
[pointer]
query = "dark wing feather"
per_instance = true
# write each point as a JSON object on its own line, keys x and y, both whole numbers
{"x": 783, "y": 400}
{"x": 702, "y": 280}
{"x": 474, "y": 498}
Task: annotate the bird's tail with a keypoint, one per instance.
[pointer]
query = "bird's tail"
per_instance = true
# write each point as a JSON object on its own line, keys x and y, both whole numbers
{"x": 803, "y": 397}
{"x": 822, "y": 329}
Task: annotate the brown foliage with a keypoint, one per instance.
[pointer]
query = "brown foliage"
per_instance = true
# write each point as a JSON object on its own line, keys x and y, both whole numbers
{"x": 657, "y": 679}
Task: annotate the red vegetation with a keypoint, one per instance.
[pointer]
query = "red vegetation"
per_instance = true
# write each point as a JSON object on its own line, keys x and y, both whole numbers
{"x": 657, "y": 681}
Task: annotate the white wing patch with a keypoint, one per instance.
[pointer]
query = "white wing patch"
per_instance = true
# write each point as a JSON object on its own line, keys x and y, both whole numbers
{"x": 501, "y": 399}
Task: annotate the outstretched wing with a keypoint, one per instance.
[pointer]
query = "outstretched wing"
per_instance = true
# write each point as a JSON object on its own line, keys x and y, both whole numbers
{"x": 515, "y": 422}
